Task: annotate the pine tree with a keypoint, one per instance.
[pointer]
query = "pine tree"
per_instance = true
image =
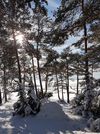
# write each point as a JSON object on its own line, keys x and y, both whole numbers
{"x": 32, "y": 53}
{"x": 67, "y": 58}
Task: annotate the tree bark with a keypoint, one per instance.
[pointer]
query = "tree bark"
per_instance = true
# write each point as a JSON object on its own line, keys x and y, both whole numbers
{"x": 5, "y": 90}
{"x": 4, "y": 80}
{"x": 34, "y": 77}
{"x": 77, "y": 83}
{"x": 86, "y": 49}
{"x": 46, "y": 82}
{"x": 67, "y": 83}
{"x": 62, "y": 87}
{"x": 39, "y": 72}
{"x": 0, "y": 97}
{"x": 19, "y": 68}
{"x": 38, "y": 64}
{"x": 17, "y": 57}
{"x": 57, "y": 83}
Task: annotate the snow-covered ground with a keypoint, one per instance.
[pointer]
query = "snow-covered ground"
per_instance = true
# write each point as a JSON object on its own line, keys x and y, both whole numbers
{"x": 54, "y": 118}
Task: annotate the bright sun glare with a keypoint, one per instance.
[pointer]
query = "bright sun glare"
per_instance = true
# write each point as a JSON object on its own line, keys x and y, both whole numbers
{"x": 20, "y": 38}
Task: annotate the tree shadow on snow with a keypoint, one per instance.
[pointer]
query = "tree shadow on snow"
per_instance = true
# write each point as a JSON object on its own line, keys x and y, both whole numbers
{"x": 50, "y": 120}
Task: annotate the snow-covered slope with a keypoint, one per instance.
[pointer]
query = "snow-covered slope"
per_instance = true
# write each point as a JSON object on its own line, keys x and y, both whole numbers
{"x": 54, "y": 118}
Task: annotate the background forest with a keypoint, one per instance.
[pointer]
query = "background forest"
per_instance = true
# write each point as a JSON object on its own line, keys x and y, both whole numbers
{"x": 37, "y": 58}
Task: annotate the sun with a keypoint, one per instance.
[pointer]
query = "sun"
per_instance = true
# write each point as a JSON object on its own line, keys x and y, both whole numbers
{"x": 19, "y": 38}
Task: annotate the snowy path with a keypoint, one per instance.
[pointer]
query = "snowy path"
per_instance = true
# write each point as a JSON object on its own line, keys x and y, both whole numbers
{"x": 54, "y": 118}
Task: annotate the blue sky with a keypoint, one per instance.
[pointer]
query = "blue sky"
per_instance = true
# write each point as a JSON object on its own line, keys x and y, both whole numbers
{"x": 52, "y": 5}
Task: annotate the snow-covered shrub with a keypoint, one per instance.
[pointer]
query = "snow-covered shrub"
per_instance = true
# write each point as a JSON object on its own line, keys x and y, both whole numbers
{"x": 78, "y": 100}
{"x": 49, "y": 94}
{"x": 28, "y": 110}
{"x": 30, "y": 104}
{"x": 78, "y": 110}
{"x": 87, "y": 103}
{"x": 77, "y": 104}
{"x": 90, "y": 121}
{"x": 95, "y": 125}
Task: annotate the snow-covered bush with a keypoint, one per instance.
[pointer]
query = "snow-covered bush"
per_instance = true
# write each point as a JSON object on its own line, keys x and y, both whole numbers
{"x": 94, "y": 125}
{"x": 78, "y": 100}
{"x": 87, "y": 103}
{"x": 30, "y": 104}
{"x": 48, "y": 94}
{"x": 90, "y": 121}
{"x": 78, "y": 110}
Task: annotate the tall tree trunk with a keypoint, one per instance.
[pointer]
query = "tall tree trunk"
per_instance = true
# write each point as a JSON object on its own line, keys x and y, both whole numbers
{"x": 39, "y": 72}
{"x": 24, "y": 77}
{"x": 24, "y": 74}
{"x": 4, "y": 80}
{"x": 38, "y": 64}
{"x": 57, "y": 83}
{"x": 77, "y": 83}
{"x": 67, "y": 87}
{"x": 17, "y": 57}
{"x": 19, "y": 68}
{"x": 0, "y": 97}
{"x": 67, "y": 82}
{"x": 4, "y": 77}
{"x": 34, "y": 77}
{"x": 62, "y": 87}
{"x": 87, "y": 75}
{"x": 46, "y": 82}
{"x": 86, "y": 49}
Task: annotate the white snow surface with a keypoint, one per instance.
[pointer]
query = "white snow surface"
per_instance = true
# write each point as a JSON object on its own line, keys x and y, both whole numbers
{"x": 54, "y": 118}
